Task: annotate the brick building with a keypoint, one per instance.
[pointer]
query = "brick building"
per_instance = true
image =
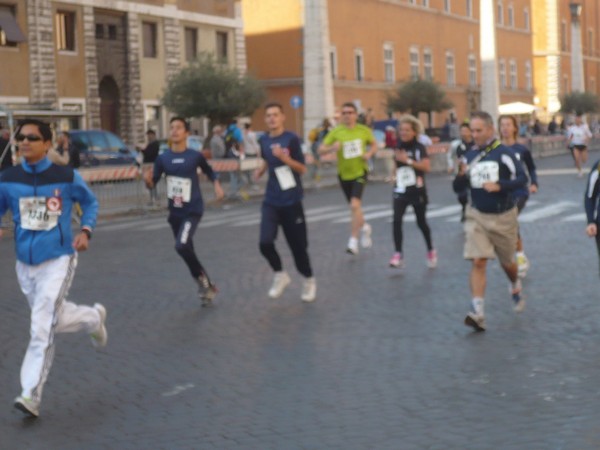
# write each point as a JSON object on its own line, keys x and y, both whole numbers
{"x": 554, "y": 46}
{"x": 376, "y": 44}
{"x": 103, "y": 63}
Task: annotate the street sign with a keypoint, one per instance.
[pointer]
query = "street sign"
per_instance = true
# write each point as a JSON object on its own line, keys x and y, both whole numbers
{"x": 296, "y": 101}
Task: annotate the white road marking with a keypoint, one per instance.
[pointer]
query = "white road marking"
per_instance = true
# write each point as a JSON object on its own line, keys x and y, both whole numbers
{"x": 581, "y": 217}
{"x": 546, "y": 211}
{"x": 178, "y": 389}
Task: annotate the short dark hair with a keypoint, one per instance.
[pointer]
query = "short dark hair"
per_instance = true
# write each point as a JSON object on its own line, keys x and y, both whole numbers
{"x": 185, "y": 123}
{"x": 486, "y": 117}
{"x": 150, "y": 131}
{"x": 247, "y": 125}
{"x": 43, "y": 128}
{"x": 274, "y": 105}
{"x": 350, "y": 105}
{"x": 465, "y": 125}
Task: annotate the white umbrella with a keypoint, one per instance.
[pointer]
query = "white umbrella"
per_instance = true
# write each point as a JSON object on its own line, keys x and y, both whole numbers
{"x": 516, "y": 108}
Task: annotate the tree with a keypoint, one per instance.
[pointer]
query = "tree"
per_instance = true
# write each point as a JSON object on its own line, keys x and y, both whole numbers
{"x": 579, "y": 102}
{"x": 206, "y": 88}
{"x": 419, "y": 96}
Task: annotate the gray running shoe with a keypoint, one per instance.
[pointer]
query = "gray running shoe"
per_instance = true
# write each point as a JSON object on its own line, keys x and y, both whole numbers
{"x": 206, "y": 291}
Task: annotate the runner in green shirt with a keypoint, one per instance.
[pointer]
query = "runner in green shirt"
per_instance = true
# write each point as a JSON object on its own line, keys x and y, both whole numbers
{"x": 355, "y": 145}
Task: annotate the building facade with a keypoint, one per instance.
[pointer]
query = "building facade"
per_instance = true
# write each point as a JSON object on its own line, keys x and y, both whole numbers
{"x": 558, "y": 37}
{"x": 103, "y": 63}
{"x": 374, "y": 45}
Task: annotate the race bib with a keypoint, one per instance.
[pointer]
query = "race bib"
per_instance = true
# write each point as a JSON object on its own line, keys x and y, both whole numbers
{"x": 179, "y": 190}
{"x": 405, "y": 177}
{"x": 484, "y": 172}
{"x": 39, "y": 213}
{"x": 352, "y": 149}
{"x": 285, "y": 177}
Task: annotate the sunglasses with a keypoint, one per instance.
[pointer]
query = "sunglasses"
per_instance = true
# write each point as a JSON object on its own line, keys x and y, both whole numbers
{"x": 29, "y": 137}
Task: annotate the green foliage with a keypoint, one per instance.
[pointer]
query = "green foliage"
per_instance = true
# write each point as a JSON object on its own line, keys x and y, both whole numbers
{"x": 419, "y": 96}
{"x": 209, "y": 89}
{"x": 579, "y": 102}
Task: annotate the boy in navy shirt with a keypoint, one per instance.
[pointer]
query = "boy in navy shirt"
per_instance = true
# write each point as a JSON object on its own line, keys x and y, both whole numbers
{"x": 282, "y": 205}
{"x": 180, "y": 165}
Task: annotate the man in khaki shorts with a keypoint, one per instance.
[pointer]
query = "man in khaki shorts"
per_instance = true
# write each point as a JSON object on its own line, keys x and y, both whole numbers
{"x": 492, "y": 172}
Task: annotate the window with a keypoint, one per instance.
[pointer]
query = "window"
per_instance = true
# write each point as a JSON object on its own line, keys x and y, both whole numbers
{"x": 513, "y": 74}
{"x": 502, "y": 68}
{"x": 469, "y": 6}
{"x": 566, "y": 84}
{"x": 427, "y": 64}
{"x": 191, "y": 43}
{"x": 425, "y": 3}
{"x": 528, "y": 77}
{"x": 65, "y": 31}
{"x": 359, "y": 65}
{"x": 112, "y": 32}
{"x": 10, "y": 33}
{"x": 563, "y": 36}
{"x": 591, "y": 46}
{"x": 526, "y": 19}
{"x": 500, "y": 13}
{"x": 511, "y": 16}
{"x": 99, "y": 31}
{"x": 222, "y": 46}
{"x": 472, "y": 70}
{"x": 388, "y": 63}
{"x": 447, "y": 6}
{"x": 150, "y": 36}
{"x": 450, "y": 71}
{"x": 412, "y": 2}
{"x": 414, "y": 63}
{"x": 333, "y": 62}
{"x": 592, "y": 87}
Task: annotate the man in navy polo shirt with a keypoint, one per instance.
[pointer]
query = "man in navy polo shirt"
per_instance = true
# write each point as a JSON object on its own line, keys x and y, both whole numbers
{"x": 180, "y": 165}
{"x": 282, "y": 205}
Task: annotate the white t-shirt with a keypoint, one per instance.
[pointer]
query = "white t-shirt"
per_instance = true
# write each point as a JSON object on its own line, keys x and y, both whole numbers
{"x": 578, "y": 134}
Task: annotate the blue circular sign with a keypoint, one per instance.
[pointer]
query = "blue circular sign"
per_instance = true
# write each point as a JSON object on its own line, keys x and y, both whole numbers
{"x": 296, "y": 101}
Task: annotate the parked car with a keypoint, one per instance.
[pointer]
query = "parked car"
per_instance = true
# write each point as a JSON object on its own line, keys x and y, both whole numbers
{"x": 99, "y": 147}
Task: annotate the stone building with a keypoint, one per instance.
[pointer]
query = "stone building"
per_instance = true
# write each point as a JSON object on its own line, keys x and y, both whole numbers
{"x": 373, "y": 45}
{"x": 104, "y": 63}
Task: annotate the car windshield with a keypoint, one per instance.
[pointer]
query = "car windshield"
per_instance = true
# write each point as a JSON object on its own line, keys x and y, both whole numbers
{"x": 114, "y": 142}
{"x": 97, "y": 140}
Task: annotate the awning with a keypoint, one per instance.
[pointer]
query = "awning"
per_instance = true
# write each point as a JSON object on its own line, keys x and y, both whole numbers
{"x": 21, "y": 113}
{"x": 517, "y": 108}
{"x": 11, "y": 29}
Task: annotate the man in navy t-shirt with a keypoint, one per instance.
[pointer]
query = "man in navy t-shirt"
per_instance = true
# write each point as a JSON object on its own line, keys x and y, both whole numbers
{"x": 282, "y": 205}
{"x": 180, "y": 165}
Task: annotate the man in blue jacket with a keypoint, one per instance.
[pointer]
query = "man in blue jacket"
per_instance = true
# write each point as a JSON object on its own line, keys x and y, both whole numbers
{"x": 40, "y": 195}
{"x": 492, "y": 172}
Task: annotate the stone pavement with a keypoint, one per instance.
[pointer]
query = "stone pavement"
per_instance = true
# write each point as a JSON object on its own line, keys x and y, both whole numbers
{"x": 380, "y": 361}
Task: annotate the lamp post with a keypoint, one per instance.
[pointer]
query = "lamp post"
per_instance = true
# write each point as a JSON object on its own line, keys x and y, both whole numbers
{"x": 577, "y": 83}
{"x": 490, "y": 96}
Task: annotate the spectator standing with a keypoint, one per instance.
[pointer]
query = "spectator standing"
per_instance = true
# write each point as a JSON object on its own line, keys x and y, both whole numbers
{"x": 217, "y": 144}
{"x": 251, "y": 150}
{"x": 150, "y": 153}
{"x": 5, "y": 150}
{"x": 234, "y": 148}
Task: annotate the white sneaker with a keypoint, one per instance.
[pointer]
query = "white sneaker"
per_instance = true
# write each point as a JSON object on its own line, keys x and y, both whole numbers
{"x": 352, "y": 246}
{"x": 27, "y": 406}
{"x": 100, "y": 337}
{"x": 476, "y": 321}
{"x": 309, "y": 290}
{"x": 365, "y": 236}
{"x": 280, "y": 282}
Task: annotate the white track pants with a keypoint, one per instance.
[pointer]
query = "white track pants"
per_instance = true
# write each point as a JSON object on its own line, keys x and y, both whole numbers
{"x": 46, "y": 287}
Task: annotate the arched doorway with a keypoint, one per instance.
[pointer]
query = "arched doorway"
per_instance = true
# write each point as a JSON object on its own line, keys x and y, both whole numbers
{"x": 109, "y": 105}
